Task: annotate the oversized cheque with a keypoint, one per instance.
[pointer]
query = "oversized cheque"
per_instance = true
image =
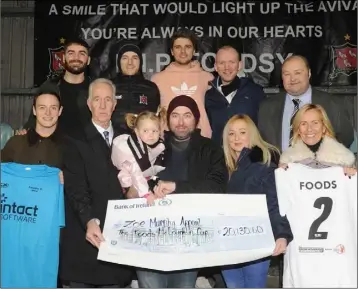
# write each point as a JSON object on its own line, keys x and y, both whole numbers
{"x": 187, "y": 231}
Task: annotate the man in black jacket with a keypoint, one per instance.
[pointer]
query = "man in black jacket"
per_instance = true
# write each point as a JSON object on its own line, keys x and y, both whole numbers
{"x": 90, "y": 181}
{"x": 194, "y": 164}
{"x": 134, "y": 93}
{"x": 230, "y": 94}
{"x": 72, "y": 86}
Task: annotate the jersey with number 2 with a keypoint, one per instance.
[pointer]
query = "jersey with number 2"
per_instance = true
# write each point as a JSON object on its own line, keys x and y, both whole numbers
{"x": 321, "y": 206}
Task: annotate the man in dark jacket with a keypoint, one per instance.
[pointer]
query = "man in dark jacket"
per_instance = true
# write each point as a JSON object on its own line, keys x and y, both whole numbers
{"x": 134, "y": 93}
{"x": 194, "y": 164}
{"x": 229, "y": 94}
{"x": 72, "y": 86}
{"x": 90, "y": 181}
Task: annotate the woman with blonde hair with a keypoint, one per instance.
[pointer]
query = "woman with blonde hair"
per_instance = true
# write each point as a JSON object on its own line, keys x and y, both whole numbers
{"x": 314, "y": 144}
{"x": 251, "y": 163}
{"x": 323, "y": 253}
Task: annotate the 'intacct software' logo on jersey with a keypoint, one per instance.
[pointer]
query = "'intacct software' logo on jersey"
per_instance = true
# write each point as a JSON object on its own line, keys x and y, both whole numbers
{"x": 19, "y": 213}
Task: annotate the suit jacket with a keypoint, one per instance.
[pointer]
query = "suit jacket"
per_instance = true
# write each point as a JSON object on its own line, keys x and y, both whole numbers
{"x": 271, "y": 113}
{"x": 90, "y": 181}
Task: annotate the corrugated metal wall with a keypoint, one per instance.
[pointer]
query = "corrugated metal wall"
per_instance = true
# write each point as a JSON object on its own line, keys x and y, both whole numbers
{"x": 17, "y": 60}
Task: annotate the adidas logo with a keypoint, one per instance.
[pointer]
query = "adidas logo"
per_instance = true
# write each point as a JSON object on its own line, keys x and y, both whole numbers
{"x": 184, "y": 89}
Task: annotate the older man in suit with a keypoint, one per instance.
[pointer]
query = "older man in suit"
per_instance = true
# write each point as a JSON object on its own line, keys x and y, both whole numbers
{"x": 276, "y": 113}
{"x": 90, "y": 181}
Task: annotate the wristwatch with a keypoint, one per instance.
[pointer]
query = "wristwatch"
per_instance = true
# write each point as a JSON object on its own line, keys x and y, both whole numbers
{"x": 98, "y": 222}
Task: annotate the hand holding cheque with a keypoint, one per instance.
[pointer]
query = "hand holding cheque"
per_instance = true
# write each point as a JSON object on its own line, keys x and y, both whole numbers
{"x": 187, "y": 231}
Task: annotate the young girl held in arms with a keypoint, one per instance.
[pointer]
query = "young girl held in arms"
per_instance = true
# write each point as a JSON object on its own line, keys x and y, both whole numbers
{"x": 140, "y": 155}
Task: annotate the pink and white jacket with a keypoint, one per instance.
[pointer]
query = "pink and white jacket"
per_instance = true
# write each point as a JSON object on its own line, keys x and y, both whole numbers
{"x": 130, "y": 171}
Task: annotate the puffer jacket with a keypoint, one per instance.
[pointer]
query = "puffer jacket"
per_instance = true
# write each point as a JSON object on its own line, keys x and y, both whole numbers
{"x": 134, "y": 94}
{"x": 254, "y": 177}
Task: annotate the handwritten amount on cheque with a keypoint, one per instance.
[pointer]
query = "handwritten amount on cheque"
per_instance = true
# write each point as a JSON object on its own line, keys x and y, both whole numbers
{"x": 167, "y": 231}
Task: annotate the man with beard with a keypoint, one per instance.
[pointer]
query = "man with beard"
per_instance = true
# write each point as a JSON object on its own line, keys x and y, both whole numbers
{"x": 72, "y": 86}
{"x": 184, "y": 76}
{"x": 134, "y": 93}
{"x": 193, "y": 165}
{"x": 229, "y": 94}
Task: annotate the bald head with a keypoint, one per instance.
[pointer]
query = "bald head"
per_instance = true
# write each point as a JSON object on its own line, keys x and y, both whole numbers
{"x": 297, "y": 58}
{"x": 227, "y": 63}
{"x": 296, "y": 75}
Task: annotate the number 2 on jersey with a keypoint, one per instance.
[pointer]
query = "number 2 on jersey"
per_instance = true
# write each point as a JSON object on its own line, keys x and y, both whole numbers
{"x": 327, "y": 209}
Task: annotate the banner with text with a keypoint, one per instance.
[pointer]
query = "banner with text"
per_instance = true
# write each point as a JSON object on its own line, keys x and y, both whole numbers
{"x": 187, "y": 231}
{"x": 264, "y": 32}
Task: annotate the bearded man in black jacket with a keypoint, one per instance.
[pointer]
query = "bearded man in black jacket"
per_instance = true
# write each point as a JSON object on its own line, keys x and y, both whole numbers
{"x": 134, "y": 93}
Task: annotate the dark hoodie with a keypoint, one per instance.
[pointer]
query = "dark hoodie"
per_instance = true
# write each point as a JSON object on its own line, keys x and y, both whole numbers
{"x": 246, "y": 101}
{"x": 134, "y": 93}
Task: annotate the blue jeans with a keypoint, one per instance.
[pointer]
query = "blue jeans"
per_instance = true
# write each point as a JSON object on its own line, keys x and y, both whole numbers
{"x": 247, "y": 275}
{"x": 159, "y": 279}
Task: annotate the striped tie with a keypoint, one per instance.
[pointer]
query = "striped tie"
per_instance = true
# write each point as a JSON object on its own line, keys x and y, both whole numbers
{"x": 106, "y": 137}
{"x": 296, "y": 103}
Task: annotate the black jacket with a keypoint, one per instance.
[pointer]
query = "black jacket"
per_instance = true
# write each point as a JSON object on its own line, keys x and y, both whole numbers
{"x": 54, "y": 85}
{"x": 206, "y": 169}
{"x": 254, "y": 177}
{"x": 90, "y": 181}
{"x": 246, "y": 101}
{"x": 134, "y": 94}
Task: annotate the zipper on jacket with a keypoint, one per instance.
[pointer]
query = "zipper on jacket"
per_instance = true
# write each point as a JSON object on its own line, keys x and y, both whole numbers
{"x": 212, "y": 84}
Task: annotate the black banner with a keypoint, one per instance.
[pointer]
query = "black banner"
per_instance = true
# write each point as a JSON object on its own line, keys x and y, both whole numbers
{"x": 264, "y": 32}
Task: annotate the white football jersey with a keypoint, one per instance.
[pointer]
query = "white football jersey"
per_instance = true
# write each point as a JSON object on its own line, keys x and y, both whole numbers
{"x": 321, "y": 206}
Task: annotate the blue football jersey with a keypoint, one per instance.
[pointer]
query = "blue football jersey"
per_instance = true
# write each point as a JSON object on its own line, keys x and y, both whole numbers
{"x": 32, "y": 213}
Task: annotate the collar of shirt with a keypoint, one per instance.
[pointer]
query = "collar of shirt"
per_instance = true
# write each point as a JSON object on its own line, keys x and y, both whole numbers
{"x": 287, "y": 114}
{"x": 304, "y": 98}
{"x": 101, "y": 130}
{"x": 230, "y": 96}
{"x": 33, "y": 137}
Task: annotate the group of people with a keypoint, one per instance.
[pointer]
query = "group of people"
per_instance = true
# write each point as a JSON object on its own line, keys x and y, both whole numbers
{"x": 185, "y": 131}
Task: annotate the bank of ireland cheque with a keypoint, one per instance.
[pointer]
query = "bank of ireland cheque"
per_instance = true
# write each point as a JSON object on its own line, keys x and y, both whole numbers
{"x": 187, "y": 231}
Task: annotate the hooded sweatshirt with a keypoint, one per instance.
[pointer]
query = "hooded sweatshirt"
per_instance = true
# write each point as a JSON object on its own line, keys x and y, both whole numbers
{"x": 134, "y": 93}
{"x": 193, "y": 81}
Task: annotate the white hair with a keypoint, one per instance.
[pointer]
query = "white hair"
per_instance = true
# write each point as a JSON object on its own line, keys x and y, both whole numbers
{"x": 102, "y": 80}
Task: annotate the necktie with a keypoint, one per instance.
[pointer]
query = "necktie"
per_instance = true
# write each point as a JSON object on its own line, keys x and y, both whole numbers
{"x": 296, "y": 103}
{"x": 106, "y": 137}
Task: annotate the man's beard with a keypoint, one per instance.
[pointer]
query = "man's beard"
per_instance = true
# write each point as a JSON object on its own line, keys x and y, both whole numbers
{"x": 77, "y": 70}
{"x": 183, "y": 137}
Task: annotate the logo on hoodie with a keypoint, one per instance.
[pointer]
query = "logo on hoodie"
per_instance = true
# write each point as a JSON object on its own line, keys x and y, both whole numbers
{"x": 184, "y": 89}
{"x": 143, "y": 99}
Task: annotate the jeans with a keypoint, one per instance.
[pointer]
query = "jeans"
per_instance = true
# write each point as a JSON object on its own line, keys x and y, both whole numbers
{"x": 160, "y": 279}
{"x": 247, "y": 275}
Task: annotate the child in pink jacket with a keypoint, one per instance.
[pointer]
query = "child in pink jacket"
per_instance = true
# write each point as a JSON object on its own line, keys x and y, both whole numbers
{"x": 139, "y": 156}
